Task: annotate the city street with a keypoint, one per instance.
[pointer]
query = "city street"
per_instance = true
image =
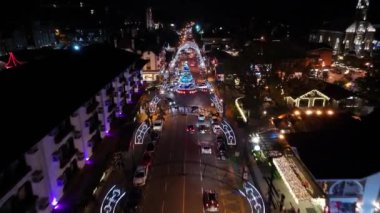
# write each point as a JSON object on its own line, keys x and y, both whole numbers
{"x": 180, "y": 173}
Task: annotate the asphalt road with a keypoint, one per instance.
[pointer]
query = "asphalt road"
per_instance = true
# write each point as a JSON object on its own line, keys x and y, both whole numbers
{"x": 180, "y": 172}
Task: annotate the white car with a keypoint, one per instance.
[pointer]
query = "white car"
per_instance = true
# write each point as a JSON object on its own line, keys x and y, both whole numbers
{"x": 201, "y": 117}
{"x": 141, "y": 174}
{"x": 157, "y": 125}
{"x": 206, "y": 150}
{"x": 217, "y": 129}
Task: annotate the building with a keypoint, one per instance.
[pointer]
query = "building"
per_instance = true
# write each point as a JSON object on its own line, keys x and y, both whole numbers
{"x": 67, "y": 104}
{"x": 357, "y": 39}
{"x": 343, "y": 161}
{"x": 319, "y": 94}
{"x": 360, "y": 34}
{"x": 149, "y": 19}
{"x": 329, "y": 35}
{"x": 151, "y": 69}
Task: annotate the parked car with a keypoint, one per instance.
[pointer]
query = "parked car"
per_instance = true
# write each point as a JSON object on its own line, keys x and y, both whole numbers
{"x": 190, "y": 129}
{"x": 202, "y": 129}
{"x": 147, "y": 159}
{"x": 140, "y": 176}
{"x": 206, "y": 150}
{"x": 157, "y": 125}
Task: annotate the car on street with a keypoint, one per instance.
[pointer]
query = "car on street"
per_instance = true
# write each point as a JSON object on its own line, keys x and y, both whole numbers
{"x": 157, "y": 125}
{"x": 202, "y": 129}
{"x": 171, "y": 101}
{"x": 222, "y": 155}
{"x": 150, "y": 148}
{"x": 190, "y": 129}
{"x": 210, "y": 201}
{"x": 201, "y": 117}
{"x": 206, "y": 149}
{"x": 140, "y": 176}
{"x": 216, "y": 129}
{"x": 146, "y": 159}
{"x": 154, "y": 137}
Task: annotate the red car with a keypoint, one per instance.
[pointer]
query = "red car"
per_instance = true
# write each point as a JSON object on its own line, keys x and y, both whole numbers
{"x": 190, "y": 129}
{"x": 147, "y": 159}
{"x": 210, "y": 201}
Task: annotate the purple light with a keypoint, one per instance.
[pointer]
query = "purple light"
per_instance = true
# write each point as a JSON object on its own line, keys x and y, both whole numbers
{"x": 54, "y": 202}
{"x": 88, "y": 162}
{"x": 87, "y": 159}
{"x": 57, "y": 207}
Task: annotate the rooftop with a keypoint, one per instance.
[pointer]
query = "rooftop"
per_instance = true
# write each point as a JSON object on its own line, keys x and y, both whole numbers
{"x": 296, "y": 88}
{"x": 40, "y": 94}
{"x": 340, "y": 151}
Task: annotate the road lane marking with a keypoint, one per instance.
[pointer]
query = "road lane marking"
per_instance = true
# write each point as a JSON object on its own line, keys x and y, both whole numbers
{"x": 163, "y": 206}
{"x": 183, "y": 194}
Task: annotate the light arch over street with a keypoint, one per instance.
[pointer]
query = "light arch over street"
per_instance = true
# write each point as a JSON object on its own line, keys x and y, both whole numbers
{"x": 187, "y": 45}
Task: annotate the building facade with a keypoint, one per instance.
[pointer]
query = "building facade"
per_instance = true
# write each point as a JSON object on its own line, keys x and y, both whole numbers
{"x": 36, "y": 181}
{"x": 333, "y": 38}
{"x": 353, "y": 195}
{"x": 360, "y": 34}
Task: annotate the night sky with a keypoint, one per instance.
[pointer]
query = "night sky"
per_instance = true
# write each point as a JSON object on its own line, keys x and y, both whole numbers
{"x": 295, "y": 12}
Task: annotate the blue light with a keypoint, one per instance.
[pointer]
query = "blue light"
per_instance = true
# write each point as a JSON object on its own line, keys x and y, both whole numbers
{"x": 197, "y": 27}
{"x": 76, "y": 47}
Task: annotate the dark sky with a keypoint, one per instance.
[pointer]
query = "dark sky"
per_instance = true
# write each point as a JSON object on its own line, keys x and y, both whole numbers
{"x": 299, "y": 12}
{"x": 294, "y": 11}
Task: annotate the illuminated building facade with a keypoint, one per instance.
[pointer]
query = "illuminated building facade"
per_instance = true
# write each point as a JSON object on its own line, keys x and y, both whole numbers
{"x": 360, "y": 34}
{"x": 65, "y": 120}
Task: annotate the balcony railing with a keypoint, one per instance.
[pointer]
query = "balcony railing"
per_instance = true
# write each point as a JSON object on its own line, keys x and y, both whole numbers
{"x": 111, "y": 107}
{"x": 90, "y": 108}
{"x": 66, "y": 157}
{"x": 37, "y": 176}
{"x": 42, "y": 203}
{"x": 63, "y": 133}
{"x": 77, "y": 134}
{"x": 80, "y": 156}
{"x": 94, "y": 126}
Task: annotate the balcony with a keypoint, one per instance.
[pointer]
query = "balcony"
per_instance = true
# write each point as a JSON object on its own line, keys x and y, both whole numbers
{"x": 80, "y": 156}
{"x": 94, "y": 126}
{"x": 42, "y": 203}
{"x": 109, "y": 91}
{"x": 111, "y": 107}
{"x": 62, "y": 133}
{"x": 77, "y": 134}
{"x": 90, "y": 108}
{"x": 37, "y": 176}
{"x": 67, "y": 155}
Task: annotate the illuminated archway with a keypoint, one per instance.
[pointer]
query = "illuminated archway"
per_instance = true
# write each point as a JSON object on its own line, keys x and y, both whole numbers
{"x": 187, "y": 45}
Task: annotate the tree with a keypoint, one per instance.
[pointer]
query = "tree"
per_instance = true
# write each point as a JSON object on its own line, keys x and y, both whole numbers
{"x": 369, "y": 86}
